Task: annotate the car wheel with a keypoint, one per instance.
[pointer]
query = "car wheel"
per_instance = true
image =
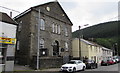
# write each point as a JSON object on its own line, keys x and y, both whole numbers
{"x": 91, "y": 67}
{"x": 74, "y": 69}
{"x": 96, "y": 66}
{"x": 83, "y": 68}
{"x": 107, "y": 64}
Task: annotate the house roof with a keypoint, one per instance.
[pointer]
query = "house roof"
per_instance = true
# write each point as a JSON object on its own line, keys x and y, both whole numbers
{"x": 94, "y": 44}
{"x": 105, "y": 48}
{"x": 34, "y": 8}
{"x": 87, "y": 42}
{"x": 7, "y": 19}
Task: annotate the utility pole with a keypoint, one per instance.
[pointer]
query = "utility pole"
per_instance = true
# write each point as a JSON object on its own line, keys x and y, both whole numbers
{"x": 116, "y": 45}
{"x": 79, "y": 43}
{"x": 38, "y": 50}
{"x": 80, "y": 55}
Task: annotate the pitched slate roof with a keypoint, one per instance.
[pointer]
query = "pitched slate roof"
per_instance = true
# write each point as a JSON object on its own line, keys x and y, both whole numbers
{"x": 94, "y": 44}
{"x": 87, "y": 42}
{"x": 42, "y": 11}
{"x": 7, "y": 19}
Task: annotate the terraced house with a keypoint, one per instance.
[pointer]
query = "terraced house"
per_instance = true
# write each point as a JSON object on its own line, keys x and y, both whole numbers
{"x": 89, "y": 49}
{"x": 45, "y": 28}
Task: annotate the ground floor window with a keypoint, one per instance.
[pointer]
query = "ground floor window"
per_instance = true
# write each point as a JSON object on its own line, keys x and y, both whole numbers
{"x": 2, "y": 55}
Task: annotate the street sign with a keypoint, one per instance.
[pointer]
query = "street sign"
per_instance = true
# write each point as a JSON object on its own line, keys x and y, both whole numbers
{"x": 4, "y": 40}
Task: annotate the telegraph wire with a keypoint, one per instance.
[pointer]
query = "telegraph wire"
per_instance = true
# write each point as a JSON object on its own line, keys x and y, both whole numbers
{"x": 9, "y": 9}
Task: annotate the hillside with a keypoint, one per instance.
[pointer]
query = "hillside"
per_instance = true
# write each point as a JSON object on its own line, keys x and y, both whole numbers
{"x": 105, "y": 34}
{"x": 102, "y": 30}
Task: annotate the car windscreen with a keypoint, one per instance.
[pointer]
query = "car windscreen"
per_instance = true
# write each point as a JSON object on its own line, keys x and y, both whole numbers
{"x": 104, "y": 60}
{"x": 71, "y": 62}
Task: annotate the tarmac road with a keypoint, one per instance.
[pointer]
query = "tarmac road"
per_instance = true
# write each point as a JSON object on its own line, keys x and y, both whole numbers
{"x": 101, "y": 69}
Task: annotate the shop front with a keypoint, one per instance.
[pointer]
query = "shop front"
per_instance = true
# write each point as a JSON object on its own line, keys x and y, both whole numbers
{"x": 7, "y": 42}
{"x": 7, "y": 49}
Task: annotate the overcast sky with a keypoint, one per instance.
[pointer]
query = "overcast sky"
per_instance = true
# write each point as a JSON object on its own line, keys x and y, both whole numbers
{"x": 80, "y": 12}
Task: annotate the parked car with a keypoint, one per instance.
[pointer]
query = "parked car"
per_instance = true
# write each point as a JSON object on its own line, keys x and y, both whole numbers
{"x": 111, "y": 61}
{"x": 105, "y": 62}
{"x": 119, "y": 59}
{"x": 116, "y": 58}
{"x": 91, "y": 64}
{"x": 73, "y": 65}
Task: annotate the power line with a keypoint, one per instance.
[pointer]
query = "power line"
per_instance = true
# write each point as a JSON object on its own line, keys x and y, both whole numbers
{"x": 9, "y": 9}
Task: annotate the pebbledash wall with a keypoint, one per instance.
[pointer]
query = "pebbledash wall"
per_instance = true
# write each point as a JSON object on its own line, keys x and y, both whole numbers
{"x": 7, "y": 42}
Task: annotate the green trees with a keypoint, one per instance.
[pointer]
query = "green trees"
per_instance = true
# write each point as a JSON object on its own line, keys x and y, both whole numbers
{"x": 105, "y": 34}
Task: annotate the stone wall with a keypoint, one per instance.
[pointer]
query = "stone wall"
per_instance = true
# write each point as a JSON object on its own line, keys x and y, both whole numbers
{"x": 47, "y": 62}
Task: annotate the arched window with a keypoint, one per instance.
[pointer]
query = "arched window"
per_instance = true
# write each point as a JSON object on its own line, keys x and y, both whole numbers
{"x": 66, "y": 46}
{"x": 66, "y": 31}
{"x": 20, "y": 26}
{"x": 42, "y": 24}
{"x": 53, "y": 27}
{"x": 58, "y": 29}
{"x": 42, "y": 42}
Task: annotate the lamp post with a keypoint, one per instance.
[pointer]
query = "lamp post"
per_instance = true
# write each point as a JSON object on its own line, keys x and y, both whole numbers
{"x": 79, "y": 43}
{"x": 38, "y": 50}
{"x": 80, "y": 40}
{"x": 116, "y": 45}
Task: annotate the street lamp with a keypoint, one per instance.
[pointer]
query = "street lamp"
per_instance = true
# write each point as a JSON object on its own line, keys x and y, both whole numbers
{"x": 115, "y": 49}
{"x": 38, "y": 50}
{"x": 80, "y": 40}
{"x": 116, "y": 45}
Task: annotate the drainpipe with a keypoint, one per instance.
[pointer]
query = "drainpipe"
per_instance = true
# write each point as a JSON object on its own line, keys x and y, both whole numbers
{"x": 11, "y": 14}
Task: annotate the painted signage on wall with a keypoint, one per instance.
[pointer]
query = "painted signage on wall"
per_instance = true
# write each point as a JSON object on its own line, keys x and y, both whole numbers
{"x": 4, "y": 40}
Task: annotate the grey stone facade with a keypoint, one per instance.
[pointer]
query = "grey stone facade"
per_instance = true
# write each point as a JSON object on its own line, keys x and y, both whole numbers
{"x": 51, "y": 13}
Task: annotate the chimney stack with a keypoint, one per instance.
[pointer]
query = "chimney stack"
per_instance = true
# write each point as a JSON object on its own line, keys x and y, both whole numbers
{"x": 11, "y": 14}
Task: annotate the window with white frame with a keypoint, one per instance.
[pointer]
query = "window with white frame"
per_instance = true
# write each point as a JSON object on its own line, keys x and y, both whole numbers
{"x": 20, "y": 26}
{"x": 58, "y": 29}
{"x": 42, "y": 43}
{"x": 1, "y": 57}
{"x": 42, "y": 24}
{"x": 66, "y": 46}
{"x": 53, "y": 27}
{"x": 66, "y": 31}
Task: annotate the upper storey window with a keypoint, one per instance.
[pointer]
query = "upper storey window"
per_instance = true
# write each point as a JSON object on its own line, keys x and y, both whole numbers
{"x": 56, "y": 28}
{"x": 42, "y": 24}
{"x": 66, "y": 31}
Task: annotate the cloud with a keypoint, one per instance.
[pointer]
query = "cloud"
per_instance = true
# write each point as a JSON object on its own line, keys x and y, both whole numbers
{"x": 80, "y": 12}
{"x": 92, "y": 13}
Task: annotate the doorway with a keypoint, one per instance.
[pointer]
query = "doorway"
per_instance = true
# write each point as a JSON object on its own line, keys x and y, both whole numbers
{"x": 55, "y": 48}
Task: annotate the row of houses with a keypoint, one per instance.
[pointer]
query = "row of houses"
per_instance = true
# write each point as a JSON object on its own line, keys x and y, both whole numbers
{"x": 44, "y": 36}
{"x": 84, "y": 48}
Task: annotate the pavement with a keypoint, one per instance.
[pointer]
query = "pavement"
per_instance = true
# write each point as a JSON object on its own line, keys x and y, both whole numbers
{"x": 27, "y": 68}
{"x": 51, "y": 69}
{"x": 104, "y": 69}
